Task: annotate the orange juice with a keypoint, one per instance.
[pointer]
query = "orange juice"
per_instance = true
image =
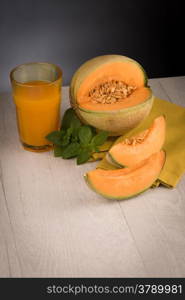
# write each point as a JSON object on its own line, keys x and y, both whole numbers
{"x": 37, "y": 107}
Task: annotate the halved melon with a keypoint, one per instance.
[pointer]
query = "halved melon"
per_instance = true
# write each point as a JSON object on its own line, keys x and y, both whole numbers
{"x": 110, "y": 92}
{"x": 132, "y": 151}
{"x": 127, "y": 182}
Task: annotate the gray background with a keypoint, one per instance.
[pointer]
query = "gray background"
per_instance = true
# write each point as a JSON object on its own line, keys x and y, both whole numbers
{"x": 69, "y": 32}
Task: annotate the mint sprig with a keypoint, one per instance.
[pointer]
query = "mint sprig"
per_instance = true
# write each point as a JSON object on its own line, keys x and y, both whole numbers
{"x": 83, "y": 156}
{"x": 70, "y": 119}
{"x": 72, "y": 150}
{"x": 75, "y": 139}
{"x": 56, "y": 137}
{"x": 100, "y": 138}
{"x": 85, "y": 135}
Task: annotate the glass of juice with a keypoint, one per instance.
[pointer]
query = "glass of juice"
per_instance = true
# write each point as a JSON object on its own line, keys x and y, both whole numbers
{"x": 36, "y": 91}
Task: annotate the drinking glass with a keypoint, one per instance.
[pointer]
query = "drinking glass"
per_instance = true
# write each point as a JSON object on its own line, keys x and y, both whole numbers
{"x": 36, "y": 89}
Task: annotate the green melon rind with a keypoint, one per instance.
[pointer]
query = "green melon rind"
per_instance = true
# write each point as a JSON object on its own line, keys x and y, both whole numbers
{"x": 113, "y": 162}
{"x": 125, "y": 120}
{"x": 89, "y": 183}
{"x": 91, "y": 65}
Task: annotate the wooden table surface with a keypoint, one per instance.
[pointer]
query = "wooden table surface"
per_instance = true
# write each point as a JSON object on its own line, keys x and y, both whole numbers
{"x": 53, "y": 225}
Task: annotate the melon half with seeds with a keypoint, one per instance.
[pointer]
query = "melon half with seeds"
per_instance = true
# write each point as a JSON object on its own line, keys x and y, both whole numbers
{"x": 110, "y": 92}
{"x": 126, "y": 182}
{"x": 132, "y": 151}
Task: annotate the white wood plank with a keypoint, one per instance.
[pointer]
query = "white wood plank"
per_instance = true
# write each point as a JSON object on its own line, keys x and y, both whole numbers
{"x": 175, "y": 88}
{"x": 156, "y": 221}
{"x": 9, "y": 262}
{"x": 4, "y": 256}
{"x": 158, "y": 89}
{"x": 61, "y": 228}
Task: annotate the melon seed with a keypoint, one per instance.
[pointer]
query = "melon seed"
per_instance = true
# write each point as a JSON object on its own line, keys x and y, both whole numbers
{"x": 111, "y": 92}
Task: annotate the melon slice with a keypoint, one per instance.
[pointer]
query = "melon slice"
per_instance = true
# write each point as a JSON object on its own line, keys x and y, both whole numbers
{"x": 127, "y": 182}
{"x": 110, "y": 92}
{"x": 132, "y": 151}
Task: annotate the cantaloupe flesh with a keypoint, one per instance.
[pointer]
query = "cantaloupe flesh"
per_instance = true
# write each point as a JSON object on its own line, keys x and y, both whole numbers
{"x": 130, "y": 155}
{"x": 126, "y": 182}
{"x": 127, "y": 71}
{"x": 138, "y": 96}
{"x": 94, "y": 64}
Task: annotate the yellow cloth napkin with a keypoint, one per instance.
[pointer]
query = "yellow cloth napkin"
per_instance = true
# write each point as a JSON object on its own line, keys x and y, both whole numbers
{"x": 174, "y": 144}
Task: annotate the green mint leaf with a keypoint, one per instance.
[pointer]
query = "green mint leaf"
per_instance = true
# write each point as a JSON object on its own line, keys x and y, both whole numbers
{"x": 94, "y": 131}
{"x": 65, "y": 141}
{"x": 69, "y": 131}
{"x": 55, "y": 137}
{"x": 75, "y": 132}
{"x": 75, "y": 123}
{"x": 66, "y": 121}
{"x": 66, "y": 137}
{"x": 90, "y": 147}
{"x": 100, "y": 138}
{"x": 85, "y": 134}
{"x": 83, "y": 156}
{"x": 74, "y": 138}
{"x": 71, "y": 150}
{"x": 70, "y": 119}
{"x": 58, "y": 151}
